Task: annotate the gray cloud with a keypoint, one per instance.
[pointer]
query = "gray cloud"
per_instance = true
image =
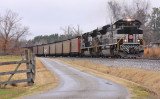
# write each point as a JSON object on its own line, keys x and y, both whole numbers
{"x": 47, "y": 16}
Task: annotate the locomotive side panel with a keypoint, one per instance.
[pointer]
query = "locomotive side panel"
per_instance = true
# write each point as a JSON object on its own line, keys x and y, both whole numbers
{"x": 66, "y": 47}
{"x": 59, "y": 48}
{"x": 53, "y": 49}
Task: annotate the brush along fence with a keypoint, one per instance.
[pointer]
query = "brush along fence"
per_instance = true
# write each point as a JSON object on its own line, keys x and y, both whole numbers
{"x": 30, "y": 70}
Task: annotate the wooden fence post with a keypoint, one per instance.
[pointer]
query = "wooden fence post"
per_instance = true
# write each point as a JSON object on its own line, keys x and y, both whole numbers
{"x": 30, "y": 65}
{"x": 0, "y": 81}
{"x": 29, "y": 74}
{"x": 33, "y": 65}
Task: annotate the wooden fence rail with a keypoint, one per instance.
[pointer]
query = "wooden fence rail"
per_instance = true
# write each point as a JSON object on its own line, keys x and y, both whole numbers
{"x": 30, "y": 63}
{"x": 13, "y": 62}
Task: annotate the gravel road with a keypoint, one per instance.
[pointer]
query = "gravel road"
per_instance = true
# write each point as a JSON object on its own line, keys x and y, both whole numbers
{"x": 76, "y": 84}
{"x": 146, "y": 64}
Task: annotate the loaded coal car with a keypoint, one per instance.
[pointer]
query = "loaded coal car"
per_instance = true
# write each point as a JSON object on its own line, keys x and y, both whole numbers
{"x": 52, "y": 49}
{"x": 35, "y": 50}
{"x": 75, "y": 46}
{"x": 40, "y": 50}
{"x": 46, "y": 49}
{"x": 59, "y": 48}
{"x": 66, "y": 47}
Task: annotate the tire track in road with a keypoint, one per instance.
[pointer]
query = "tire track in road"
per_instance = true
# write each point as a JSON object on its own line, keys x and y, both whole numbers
{"x": 76, "y": 84}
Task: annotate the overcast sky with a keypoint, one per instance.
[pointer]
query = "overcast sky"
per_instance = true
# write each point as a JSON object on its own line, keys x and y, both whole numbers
{"x": 45, "y": 17}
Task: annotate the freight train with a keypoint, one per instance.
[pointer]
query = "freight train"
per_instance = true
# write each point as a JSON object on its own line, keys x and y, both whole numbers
{"x": 124, "y": 38}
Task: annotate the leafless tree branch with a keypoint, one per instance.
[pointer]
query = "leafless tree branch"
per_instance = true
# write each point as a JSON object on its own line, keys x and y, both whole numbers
{"x": 10, "y": 28}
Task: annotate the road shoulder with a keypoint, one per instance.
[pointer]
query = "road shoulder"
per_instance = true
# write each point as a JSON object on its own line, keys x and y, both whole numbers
{"x": 136, "y": 91}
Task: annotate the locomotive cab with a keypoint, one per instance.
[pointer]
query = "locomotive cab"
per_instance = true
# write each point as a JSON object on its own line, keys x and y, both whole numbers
{"x": 129, "y": 37}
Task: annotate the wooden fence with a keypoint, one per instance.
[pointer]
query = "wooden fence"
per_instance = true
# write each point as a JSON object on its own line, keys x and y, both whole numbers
{"x": 30, "y": 70}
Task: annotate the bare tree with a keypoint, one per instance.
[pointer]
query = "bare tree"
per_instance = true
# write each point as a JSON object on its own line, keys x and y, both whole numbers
{"x": 71, "y": 31}
{"x": 138, "y": 9}
{"x": 77, "y": 31}
{"x": 141, "y": 10}
{"x": 11, "y": 29}
{"x": 154, "y": 25}
{"x": 67, "y": 31}
{"x": 128, "y": 11}
{"x": 115, "y": 10}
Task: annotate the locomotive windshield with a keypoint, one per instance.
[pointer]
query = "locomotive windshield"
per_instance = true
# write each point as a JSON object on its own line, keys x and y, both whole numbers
{"x": 128, "y": 26}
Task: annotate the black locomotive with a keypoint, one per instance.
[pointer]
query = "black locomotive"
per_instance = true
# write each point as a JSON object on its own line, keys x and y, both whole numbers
{"x": 124, "y": 38}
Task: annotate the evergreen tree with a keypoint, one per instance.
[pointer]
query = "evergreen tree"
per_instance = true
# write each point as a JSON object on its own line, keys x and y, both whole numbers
{"x": 155, "y": 24}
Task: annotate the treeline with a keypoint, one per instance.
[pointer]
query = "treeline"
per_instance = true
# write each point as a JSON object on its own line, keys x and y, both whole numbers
{"x": 69, "y": 32}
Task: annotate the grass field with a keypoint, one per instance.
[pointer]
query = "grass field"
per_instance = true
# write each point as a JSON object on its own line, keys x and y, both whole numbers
{"x": 10, "y": 57}
{"x": 44, "y": 80}
{"x": 141, "y": 83}
{"x": 152, "y": 53}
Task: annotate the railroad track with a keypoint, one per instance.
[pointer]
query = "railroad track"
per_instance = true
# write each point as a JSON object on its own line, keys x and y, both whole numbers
{"x": 147, "y": 64}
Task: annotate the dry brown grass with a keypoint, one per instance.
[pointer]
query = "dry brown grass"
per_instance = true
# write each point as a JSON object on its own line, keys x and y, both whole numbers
{"x": 6, "y": 68}
{"x": 148, "y": 79}
{"x": 44, "y": 81}
{"x": 152, "y": 53}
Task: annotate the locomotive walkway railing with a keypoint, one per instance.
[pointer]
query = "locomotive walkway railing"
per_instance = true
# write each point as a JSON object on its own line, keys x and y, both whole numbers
{"x": 118, "y": 42}
{"x": 121, "y": 39}
{"x": 30, "y": 70}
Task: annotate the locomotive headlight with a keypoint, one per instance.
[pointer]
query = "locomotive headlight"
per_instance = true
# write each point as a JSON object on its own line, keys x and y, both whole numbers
{"x": 125, "y": 40}
{"x": 138, "y": 40}
{"x": 129, "y": 20}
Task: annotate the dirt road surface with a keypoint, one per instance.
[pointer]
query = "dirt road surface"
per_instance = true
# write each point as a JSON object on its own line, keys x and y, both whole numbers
{"x": 76, "y": 84}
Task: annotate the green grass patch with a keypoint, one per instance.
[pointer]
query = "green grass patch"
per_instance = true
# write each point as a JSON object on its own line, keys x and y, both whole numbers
{"x": 35, "y": 89}
{"x": 10, "y": 57}
{"x": 15, "y": 93}
{"x": 5, "y": 91}
{"x": 140, "y": 92}
{"x": 10, "y": 93}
